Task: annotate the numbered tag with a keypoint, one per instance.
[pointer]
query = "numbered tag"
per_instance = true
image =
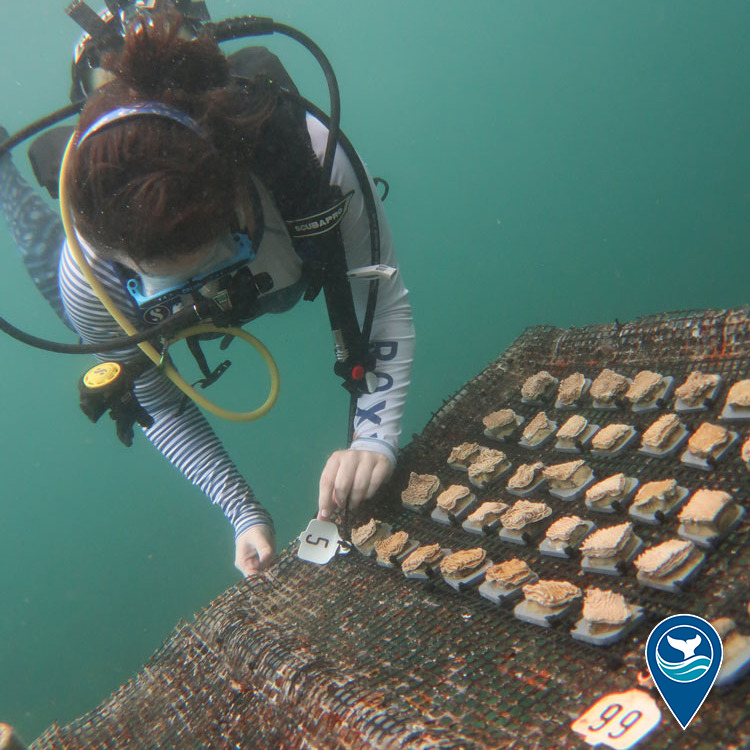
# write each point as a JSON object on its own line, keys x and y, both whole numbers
{"x": 619, "y": 721}
{"x": 320, "y": 542}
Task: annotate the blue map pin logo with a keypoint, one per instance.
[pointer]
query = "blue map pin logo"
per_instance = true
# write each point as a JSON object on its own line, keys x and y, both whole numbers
{"x": 684, "y": 654}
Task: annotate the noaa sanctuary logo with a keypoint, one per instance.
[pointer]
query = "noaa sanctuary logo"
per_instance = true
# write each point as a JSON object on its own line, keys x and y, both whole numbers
{"x": 685, "y": 640}
{"x": 684, "y": 654}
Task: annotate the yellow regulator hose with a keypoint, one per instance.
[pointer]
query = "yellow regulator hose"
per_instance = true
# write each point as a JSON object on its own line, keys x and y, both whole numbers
{"x": 147, "y": 348}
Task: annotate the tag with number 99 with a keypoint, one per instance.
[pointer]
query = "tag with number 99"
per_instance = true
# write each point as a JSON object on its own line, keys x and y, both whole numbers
{"x": 619, "y": 721}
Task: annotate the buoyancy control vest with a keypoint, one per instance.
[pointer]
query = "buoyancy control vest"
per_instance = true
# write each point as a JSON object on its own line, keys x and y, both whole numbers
{"x": 315, "y": 236}
{"x": 288, "y": 167}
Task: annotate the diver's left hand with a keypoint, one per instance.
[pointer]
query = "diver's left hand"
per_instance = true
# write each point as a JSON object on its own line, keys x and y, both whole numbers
{"x": 356, "y": 474}
{"x": 254, "y": 549}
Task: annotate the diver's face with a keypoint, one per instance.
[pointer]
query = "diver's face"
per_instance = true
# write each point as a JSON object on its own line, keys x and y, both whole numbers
{"x": 189, "y": 264}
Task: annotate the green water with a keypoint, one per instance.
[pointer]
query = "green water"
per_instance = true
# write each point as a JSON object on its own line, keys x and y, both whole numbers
{"x": 550, "y": 162}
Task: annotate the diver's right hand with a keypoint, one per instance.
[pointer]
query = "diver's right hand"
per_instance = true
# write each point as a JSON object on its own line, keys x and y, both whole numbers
{"x": 254, "y": 549}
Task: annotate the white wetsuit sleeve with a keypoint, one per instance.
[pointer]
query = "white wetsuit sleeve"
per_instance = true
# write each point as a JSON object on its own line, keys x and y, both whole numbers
{"x": 180, "y": 431}
{"x": 377, "y": 423}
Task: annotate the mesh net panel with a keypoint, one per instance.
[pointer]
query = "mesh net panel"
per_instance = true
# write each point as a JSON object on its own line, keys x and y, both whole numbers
{"x": 354, "y": 655}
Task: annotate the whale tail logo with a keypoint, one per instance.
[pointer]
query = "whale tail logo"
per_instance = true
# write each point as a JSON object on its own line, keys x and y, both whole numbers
{"x": 687, "y": 647}
{"x": 684, "y": 654}
{"x": 692, "y": 666}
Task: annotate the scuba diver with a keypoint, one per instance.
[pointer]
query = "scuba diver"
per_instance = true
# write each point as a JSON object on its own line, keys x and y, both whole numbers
{"x": 202, "y": 187}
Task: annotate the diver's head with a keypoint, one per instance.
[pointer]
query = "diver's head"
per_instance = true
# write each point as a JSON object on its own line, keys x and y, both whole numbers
{"x": 163, "y": 147}
{"x": 106, "y": 34}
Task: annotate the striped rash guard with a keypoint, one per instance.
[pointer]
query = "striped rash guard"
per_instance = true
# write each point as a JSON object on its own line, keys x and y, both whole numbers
{"x": 180, "y": 431}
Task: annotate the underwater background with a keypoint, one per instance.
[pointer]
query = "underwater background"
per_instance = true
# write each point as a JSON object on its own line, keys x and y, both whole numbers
{"x": 561, "y": 163}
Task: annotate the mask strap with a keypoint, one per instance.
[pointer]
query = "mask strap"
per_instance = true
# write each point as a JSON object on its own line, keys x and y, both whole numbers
{"x": 148, "y": 109}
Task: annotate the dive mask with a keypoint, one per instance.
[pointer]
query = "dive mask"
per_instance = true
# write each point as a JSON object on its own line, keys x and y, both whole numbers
{"x": 157, "y": 302}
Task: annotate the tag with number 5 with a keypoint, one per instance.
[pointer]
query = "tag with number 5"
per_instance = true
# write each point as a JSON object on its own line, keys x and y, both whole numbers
{"x": 320, "y": 542}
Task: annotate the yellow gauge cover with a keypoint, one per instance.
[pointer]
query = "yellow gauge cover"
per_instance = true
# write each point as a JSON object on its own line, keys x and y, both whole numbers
{"x": 101, "y": 375}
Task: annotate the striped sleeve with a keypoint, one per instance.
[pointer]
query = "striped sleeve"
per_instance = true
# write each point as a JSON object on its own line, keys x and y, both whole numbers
{"x": 36, "y": 229}
{"x": 180, "y": 431}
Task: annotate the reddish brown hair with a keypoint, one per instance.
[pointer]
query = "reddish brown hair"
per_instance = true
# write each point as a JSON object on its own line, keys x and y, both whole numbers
{"x": 149, "y": 186}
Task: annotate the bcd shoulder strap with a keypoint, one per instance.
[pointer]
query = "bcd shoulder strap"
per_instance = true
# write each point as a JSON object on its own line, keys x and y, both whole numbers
{"x": 288, "y": 166}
